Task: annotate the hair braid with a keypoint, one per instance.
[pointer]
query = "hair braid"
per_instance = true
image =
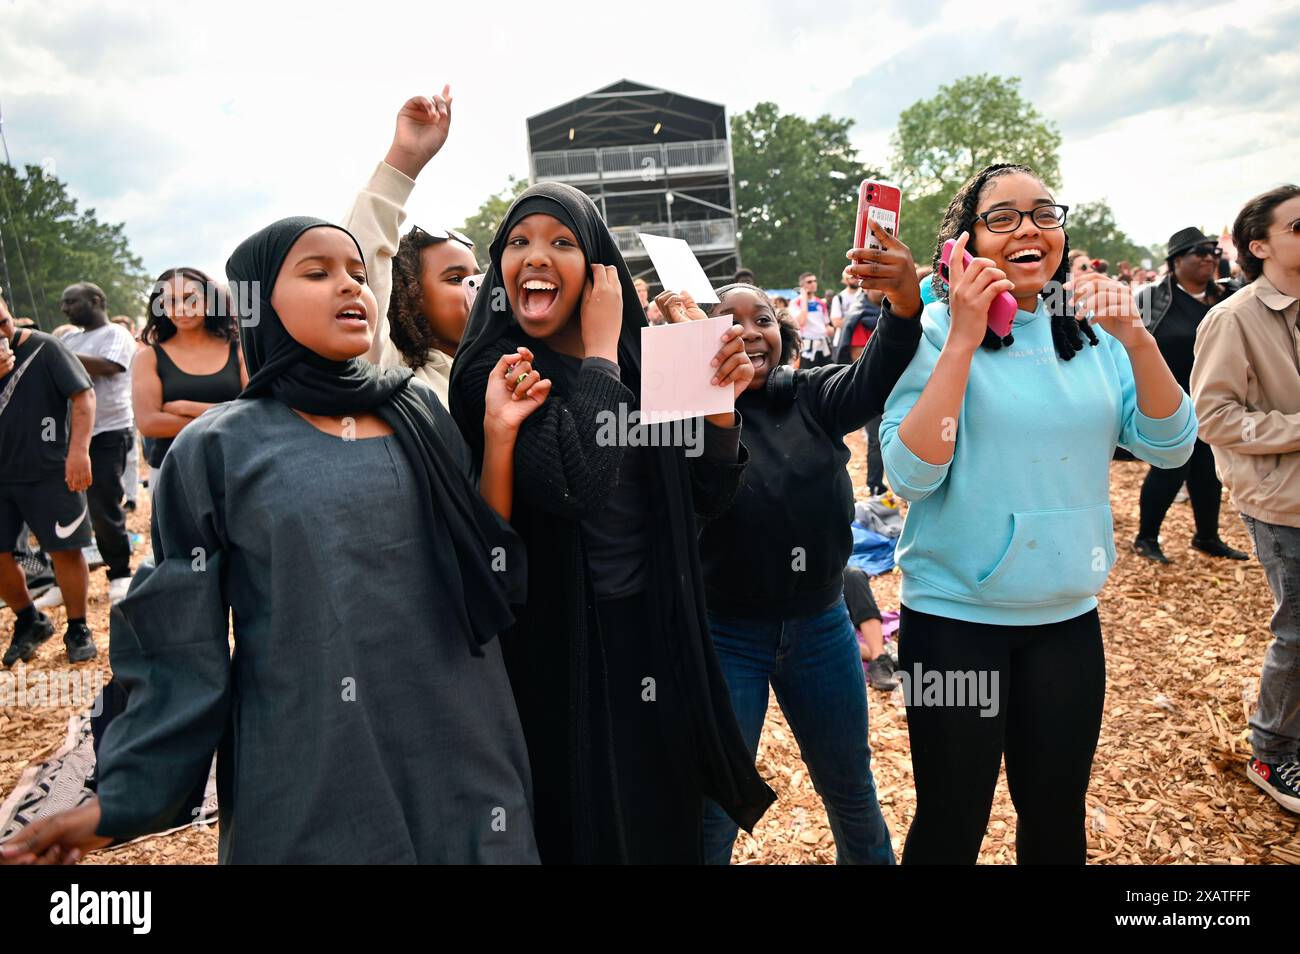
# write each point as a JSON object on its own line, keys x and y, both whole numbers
{"x": 407, "y": 326}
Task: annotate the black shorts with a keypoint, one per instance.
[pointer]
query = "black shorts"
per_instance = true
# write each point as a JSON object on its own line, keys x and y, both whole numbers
{"x": 56, "y": 515}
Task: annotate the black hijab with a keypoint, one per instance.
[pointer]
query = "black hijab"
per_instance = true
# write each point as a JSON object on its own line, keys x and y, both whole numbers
{"x": 280, "y": 368}
{"x": 576, "y": 210}
{"x": 701, "y": 726}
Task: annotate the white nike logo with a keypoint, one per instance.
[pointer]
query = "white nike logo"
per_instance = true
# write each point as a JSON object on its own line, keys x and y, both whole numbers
{"x": 63, "y": 532}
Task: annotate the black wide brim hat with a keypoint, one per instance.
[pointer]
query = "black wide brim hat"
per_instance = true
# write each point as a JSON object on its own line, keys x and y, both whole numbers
{"x": 1187, "y": 238}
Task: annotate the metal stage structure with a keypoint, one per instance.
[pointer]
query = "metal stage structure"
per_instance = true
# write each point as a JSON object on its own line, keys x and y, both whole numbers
{"x": 653, "y": 161}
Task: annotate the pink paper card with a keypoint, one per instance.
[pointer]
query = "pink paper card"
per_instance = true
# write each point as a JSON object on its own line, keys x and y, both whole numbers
{"x": 676, "y": 373}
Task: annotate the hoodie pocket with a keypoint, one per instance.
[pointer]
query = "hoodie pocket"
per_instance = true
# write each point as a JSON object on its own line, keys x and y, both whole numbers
{"x": 1054, "y": 556}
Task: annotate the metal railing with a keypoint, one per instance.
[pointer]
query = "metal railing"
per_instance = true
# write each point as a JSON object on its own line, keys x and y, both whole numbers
{"x": 622, "y": 162}
{"x": 702, "y": 236}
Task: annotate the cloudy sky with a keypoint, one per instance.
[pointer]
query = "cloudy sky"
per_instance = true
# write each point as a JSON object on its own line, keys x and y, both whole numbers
{"x": 197, "y": 123}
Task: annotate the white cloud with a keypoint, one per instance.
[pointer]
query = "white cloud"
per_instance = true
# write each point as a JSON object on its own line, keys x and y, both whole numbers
{"x": 196, "y": 125}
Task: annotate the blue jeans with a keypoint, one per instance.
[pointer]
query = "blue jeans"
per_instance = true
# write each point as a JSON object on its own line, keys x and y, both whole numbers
{"x": 1275, "y": 726}
{"x": 814, "y": 666}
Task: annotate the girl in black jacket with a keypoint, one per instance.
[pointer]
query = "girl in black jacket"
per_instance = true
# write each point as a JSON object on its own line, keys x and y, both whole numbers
{"x": 776, "y": 609}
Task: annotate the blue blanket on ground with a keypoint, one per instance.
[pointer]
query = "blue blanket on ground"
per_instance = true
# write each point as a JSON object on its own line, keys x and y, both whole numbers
{"x": 872, "y": 552}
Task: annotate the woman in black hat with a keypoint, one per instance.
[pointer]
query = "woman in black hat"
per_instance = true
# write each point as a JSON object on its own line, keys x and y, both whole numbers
{"x": 1172, "y": 310}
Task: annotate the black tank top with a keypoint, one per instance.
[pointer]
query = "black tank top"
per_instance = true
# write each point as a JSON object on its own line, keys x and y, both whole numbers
{"x": 178, "y": 385}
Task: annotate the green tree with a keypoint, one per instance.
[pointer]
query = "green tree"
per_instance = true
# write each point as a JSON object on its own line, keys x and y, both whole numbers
{"x": 49, "y": 244}
{"x": 1092, "y": 227}
{"x": 942, "y": 141}
{"x": 482, "y": 225}
{"x": 796, "y": 194}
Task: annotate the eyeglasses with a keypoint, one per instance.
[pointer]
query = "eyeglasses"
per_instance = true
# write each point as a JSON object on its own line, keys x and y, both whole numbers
{"x": 1205, "y": 251}
{"x": 1008, "y": 220}
{"x": 441, "y": 235}
{"x": 1293, "y": 228}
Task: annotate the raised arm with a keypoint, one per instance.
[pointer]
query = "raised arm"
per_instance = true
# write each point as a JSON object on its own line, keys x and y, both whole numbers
{"x": 849, "y": 397}
{"x": 559, "y": 465}
{"x": 930, "y": 429}
{"x": 514, "y": 391}
{"x": 379, "y": 210}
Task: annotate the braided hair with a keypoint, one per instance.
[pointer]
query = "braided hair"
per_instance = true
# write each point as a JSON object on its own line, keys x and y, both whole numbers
{"x": 1068, "y": 333}
{"x": 410, "y": 331}
{"x": 785, "y": 324}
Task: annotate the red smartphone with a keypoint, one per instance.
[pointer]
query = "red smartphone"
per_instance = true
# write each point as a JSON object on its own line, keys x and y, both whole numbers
{"x": 1003, "y": 310}
{"x": 880, "y": 202}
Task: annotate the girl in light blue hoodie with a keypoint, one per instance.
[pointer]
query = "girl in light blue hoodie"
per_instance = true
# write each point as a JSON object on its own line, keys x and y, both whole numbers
{"x": 1003, "y": 447}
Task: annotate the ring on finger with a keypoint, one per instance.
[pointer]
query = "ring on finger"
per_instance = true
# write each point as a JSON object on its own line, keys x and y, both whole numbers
{"x": 523, "y": 375}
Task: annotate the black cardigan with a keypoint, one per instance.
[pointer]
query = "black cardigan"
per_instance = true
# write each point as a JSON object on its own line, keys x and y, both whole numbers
{"x": 797, "y": 496}
{"x": 554, "y": 651}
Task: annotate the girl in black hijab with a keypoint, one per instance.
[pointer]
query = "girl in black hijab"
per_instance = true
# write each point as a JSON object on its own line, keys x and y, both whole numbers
{"x": 623, "y": 705}
{"x": 365, "y": 715}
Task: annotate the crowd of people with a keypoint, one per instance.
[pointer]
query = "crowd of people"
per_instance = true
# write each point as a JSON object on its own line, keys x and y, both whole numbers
{"x": 466, "y": 628}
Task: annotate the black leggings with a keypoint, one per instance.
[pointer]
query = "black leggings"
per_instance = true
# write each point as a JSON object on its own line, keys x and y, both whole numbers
{"x": 1203, "y": 487}
{"x": 1044, "y": 715}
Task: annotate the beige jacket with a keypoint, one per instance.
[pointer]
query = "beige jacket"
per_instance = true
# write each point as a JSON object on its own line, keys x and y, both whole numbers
{"x": 1246, "y": 388}
{"x": 375, "y": 219}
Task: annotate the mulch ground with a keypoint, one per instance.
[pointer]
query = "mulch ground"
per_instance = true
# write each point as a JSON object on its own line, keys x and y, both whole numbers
{"x": 1184, "y": 644}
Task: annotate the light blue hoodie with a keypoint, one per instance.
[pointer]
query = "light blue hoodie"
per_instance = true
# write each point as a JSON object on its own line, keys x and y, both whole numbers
{"x": 1016, "y": 529}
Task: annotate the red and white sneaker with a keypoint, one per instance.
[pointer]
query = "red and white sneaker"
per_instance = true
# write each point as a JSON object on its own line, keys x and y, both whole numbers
{"x": 1281, "y": 780}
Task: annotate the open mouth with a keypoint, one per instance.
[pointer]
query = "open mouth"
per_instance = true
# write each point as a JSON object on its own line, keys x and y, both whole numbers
{"x": 1025, "y": 257}
{"x": 536, "y": 297}
{"x": 352, "y": 315}
{"x": 758, "y": 359}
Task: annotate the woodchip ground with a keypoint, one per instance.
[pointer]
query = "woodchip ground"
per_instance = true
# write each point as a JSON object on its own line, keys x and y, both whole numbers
{"x": 1184, "y": 645}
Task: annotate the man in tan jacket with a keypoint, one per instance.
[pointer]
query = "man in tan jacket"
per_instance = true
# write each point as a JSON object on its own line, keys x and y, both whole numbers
{"x": 1246, "y": 387}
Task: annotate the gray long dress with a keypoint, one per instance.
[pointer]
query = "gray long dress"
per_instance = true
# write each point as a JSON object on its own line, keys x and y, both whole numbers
{"x": 352, "y": 722}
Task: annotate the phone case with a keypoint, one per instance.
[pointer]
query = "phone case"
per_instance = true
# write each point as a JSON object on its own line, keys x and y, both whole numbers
{"x": 880, "y": 202}
{"x": 1003, "y": 310}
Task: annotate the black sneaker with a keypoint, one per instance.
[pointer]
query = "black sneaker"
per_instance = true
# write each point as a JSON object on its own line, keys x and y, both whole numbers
{"x": 880, "y": 673}
{"x": 1281, "y": 780}
{"x": 1217, "y": 548}
{"x": 27, "y": 638}
{"x": 1150, "y": 549}
{"x": 80, "y": 643}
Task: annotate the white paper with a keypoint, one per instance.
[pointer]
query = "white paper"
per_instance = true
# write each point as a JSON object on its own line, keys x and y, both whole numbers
{"x": 676, "y": 372}
{"x": 677, "y": 267}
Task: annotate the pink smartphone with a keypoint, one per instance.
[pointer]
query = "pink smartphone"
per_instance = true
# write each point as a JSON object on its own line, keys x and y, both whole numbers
{"x": 1003, "y": 310}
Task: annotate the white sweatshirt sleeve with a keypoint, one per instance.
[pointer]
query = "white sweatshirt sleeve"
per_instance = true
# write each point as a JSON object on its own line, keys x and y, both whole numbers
{"x": 375, "y": 218}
